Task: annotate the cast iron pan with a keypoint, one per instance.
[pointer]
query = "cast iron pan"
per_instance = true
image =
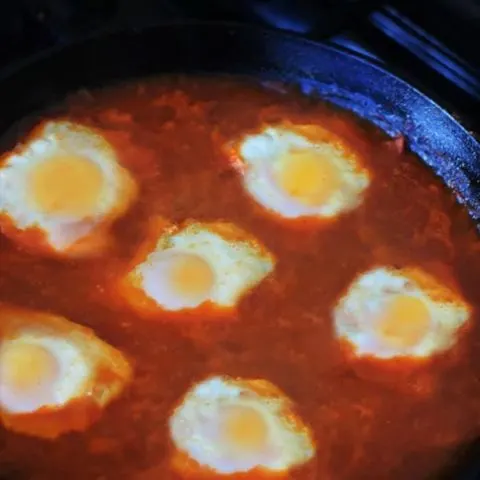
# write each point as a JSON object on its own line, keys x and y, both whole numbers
{"x": 218, "y": 48}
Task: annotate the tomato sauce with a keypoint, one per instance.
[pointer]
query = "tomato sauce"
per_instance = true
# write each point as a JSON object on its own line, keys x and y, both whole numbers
{"x": 371, "y": 420}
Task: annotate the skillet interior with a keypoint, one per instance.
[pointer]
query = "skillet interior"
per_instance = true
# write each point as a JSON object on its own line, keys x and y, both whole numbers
{"x": 338, "y": 76}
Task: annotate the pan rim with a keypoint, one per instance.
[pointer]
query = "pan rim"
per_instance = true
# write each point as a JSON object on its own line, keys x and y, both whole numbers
{"x": 16, "y": 66}
{"x": 395, "y": 106}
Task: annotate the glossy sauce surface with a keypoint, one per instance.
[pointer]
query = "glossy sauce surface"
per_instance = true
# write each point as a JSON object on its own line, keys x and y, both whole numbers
{"x": 370, "y": 420}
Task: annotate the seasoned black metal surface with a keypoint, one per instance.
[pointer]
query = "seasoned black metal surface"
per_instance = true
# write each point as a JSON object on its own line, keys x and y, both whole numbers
{"x": 202, "y": 47}
{"x": 342, "y": 78}
{"x": 429, "y": 42}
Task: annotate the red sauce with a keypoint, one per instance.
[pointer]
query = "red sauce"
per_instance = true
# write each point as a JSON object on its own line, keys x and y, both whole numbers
{"x": 370, "y": 420}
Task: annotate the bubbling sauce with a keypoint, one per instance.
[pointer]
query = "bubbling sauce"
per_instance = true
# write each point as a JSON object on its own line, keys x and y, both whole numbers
{"x": 371, "y": 420}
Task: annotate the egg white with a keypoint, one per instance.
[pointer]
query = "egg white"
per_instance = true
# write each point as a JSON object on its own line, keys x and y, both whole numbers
{"x": 64, "y": 138}
{"x": 355, "y": 313}
{"x": 90, "y": 372}
{"x": 237, "y": 260}
{"x": 195, "y": 427}
{"x": 261, "y": 152}
{"x": 73, "y": 376}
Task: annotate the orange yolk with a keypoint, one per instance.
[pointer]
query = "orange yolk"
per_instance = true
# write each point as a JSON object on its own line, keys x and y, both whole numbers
{"x": 307, "y": 176}
{"x": 191, "y": 276}
{"x": 405, "y": 322}
{"x": 25, "y": 367}
{"x": 66, "y": 184}
{"x": 245, "y": 429}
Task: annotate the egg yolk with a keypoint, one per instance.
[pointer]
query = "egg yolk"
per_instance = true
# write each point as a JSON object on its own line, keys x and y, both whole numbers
{"x": 245, "y": 429}
{"x": 307, "y": 176}
{"x": 405, "y": 321}
{"x": 66, "y": 184}
{"x": 191, "y": 276}
{"x": 25, "y": 367}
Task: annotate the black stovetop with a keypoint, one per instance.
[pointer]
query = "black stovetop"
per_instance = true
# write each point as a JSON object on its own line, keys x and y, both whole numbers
{"x": 429, "y": 43}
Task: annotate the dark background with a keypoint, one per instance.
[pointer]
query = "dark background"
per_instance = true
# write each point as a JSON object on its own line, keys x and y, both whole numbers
{"x": 433, "y": 44}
